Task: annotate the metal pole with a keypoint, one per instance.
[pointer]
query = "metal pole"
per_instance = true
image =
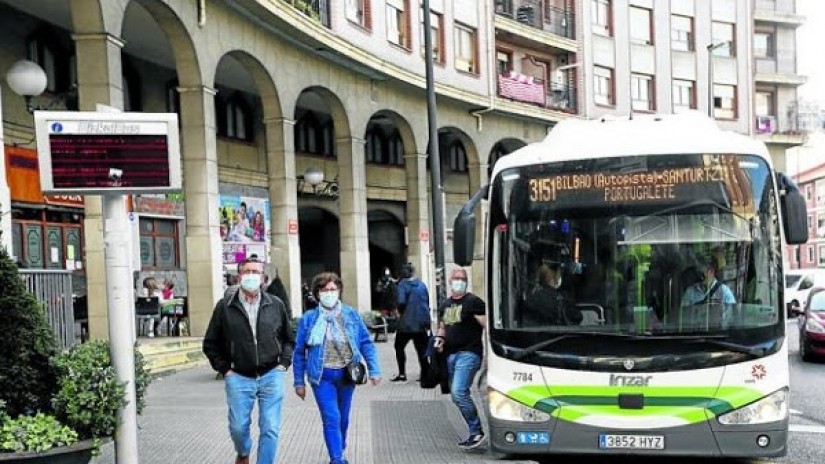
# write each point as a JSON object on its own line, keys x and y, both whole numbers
{"x": 121, "y": 315}
{"x": 435, "y": 161}
{"x": 710, "y": 80}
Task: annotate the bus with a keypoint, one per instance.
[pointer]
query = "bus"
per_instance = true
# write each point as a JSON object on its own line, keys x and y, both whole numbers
{"x": 638, "y": 348}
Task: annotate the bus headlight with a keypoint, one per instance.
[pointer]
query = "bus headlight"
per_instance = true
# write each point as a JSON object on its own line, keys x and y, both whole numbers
{"x": 502, "y": 407}
{"x": 771, "y": 408}
{"x": 814, "y": 326}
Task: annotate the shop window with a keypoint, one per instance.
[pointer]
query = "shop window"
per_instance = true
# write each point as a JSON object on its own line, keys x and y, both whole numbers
{"x": 159, "y": 244}
{"x": 39, "y": 244}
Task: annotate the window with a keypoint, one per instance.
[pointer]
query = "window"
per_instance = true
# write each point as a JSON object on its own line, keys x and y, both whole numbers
{"x": 724, "y": 101}
{"x": 398, "y": 23}
{"x": 504, "y": 61}
{"x": 358, "y": 11}
{"x": 44, "y": 49}
{"x": 723, "y": 33}
{"x": 681, "y": 33}
{"x": 436, "y": 27}
{"x": 465, "y": 48}
{"x": 602, "y": 85}
{"x": 234, "y": 117}
{"x": 764, "y": 44}
{"x": 809, "y": 192}
{"x": 395, "y": 149}
{"x": 601, "y": 17}
{"x": 821, "y": 253}
{"x": 796, "y": 254}
{"x": 458, "y": 158}
{"x": 158, "y": 243}
{"x": 764, "y": 103}
{"x": 641, "y": 92}
{"x": 684, "y": 95}
{"x": 810, "y": 251}
{"x": 641, "y": 25}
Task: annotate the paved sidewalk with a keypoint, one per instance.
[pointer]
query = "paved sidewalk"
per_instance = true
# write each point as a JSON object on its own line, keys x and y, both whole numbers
{"x": 185, "y": 422}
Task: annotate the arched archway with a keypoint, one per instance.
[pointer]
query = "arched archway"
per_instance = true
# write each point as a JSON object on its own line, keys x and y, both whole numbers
{"x": 320, "y": 241}
{"x": 502, "y": 148}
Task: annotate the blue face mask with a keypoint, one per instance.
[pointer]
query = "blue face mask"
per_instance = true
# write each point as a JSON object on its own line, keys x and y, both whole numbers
{"x": 459, "y": 286}
{"x": 251, "y": 282}
{"x": 329, "y": 299}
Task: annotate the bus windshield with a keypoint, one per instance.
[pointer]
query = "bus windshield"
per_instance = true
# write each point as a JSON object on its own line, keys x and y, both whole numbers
{"x": 669, "y": 255}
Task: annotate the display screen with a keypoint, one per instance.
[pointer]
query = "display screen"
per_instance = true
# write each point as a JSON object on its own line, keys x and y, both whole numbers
{"x": 96, "y": 161}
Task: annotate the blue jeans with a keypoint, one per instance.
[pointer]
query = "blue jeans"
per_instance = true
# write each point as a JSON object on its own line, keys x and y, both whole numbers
{"x": 241, "y": 393}
{"x": 462, "y": 368}
{"x": 334, "y": 398}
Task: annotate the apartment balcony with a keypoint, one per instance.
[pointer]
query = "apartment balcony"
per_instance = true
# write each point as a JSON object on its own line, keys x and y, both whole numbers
{"x": 768, "y": 130}
{"x": 535, "y": 91}
{"x": 317, "y": 10}
{"x": 538, "y": 15}
{"x": 782, "y": 12}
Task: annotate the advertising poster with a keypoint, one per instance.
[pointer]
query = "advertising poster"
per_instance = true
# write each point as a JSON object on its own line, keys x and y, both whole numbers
{"x": 244, "y": 228}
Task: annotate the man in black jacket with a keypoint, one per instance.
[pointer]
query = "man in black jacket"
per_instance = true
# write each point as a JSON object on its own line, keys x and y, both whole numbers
{"x": 250, "y": 342}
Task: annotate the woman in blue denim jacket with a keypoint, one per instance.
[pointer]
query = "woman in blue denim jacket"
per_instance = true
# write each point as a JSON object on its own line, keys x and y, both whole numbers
{"x": 329, "y": 337}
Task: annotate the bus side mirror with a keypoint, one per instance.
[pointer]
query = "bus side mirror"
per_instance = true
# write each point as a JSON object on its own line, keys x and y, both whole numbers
{"x": 794, "y": 211}
{"x": 464, "y": 238}
{"x": 464, "y": 230}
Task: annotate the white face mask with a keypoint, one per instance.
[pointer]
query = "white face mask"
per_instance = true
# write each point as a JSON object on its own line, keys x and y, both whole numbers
{"x": 329, "y": 298}
{"x": 459, "y": 286}
{"x": 251, "y": 282}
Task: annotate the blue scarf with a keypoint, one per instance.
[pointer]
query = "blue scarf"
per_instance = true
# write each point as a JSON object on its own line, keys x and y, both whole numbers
{"x": 326, "y": 325}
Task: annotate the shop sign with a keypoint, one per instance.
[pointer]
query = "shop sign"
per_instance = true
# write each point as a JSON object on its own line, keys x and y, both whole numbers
{"x": 159, "y": 206}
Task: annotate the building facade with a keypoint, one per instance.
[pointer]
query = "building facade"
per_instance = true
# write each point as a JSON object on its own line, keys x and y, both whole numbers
{"x": 303, "y": 128}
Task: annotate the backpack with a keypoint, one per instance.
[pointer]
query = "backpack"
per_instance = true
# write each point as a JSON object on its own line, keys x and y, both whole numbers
{"x": 416, "y": 317}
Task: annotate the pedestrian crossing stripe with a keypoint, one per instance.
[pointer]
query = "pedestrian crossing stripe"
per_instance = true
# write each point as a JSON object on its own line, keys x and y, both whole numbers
{"x": 807, "y": 428}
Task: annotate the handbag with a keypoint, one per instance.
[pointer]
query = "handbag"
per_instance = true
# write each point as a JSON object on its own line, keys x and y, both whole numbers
{"x": 355, "y": 372}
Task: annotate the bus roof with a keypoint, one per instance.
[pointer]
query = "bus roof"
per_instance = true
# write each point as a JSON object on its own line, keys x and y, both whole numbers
{"x": 690, "y": 132}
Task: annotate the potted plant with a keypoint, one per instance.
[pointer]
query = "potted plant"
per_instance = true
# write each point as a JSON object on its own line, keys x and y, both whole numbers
{"x": 54, "y": 407}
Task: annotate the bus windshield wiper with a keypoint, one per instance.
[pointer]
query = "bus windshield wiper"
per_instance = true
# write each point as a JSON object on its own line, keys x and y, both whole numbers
{"x": 756, "y": 352}
{"x": 545, "y": 343}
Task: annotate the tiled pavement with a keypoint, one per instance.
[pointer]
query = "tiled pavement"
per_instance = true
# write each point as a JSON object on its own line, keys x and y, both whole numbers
{"x": 185, "y": 422}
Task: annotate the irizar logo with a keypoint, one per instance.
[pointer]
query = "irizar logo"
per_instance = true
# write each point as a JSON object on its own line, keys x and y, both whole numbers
{"x": 629, "y": 380}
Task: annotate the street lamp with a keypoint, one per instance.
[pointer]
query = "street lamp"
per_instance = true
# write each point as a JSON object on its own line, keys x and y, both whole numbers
{"x": 711, "y": 48}
{"x": 314, "y": 176}
{"x": 27, "y": 79}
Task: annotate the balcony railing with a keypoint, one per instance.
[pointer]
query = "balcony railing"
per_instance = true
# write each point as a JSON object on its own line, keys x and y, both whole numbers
{"x": 534, "y": 90}
{"x": 539, "y": 14}
{"x": 317, "y": 10}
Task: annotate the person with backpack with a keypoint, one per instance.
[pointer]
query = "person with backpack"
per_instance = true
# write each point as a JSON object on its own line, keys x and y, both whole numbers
{"x": 413, "y": 321}
{"x": 250, "y": 343}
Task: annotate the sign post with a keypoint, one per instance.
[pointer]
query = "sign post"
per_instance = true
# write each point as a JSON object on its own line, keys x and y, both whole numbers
{"x": 112, "y": 154}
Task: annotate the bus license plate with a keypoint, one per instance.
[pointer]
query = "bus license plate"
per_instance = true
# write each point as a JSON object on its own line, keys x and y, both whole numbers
{"x": 636, "y": 442}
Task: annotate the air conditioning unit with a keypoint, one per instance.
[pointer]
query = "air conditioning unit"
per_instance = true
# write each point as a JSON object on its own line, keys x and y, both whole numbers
{"x": 765, "y": 124}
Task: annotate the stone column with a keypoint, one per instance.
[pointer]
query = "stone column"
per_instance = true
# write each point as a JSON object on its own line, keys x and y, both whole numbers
{"x": 283, "y": 206}
{"x": 418, "y": 218}
{"x": 355, "y": 253}
{"x": 99, "y": 81}
{"x": 204, "y": 256}
{"x": 5, "y": 194}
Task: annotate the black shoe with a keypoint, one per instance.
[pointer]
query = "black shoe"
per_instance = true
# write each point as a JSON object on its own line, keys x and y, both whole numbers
{"x": 400, "y": 378}
{"x": 473, "y": 441}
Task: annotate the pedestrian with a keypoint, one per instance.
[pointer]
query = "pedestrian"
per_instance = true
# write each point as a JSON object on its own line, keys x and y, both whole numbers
{"x": 413, "y": 321}
{"x": 462, "y": 321}
{"x": 330, "y": 337}
{"x": 276, "y": 287}
{"x": 250, "y": 343}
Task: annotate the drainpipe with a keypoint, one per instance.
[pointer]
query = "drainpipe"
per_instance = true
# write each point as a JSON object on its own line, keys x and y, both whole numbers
{"x": 491, "y": 58}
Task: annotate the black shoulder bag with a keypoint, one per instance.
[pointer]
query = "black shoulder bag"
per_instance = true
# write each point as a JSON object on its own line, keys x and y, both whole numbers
{"x": 355, "y": 372}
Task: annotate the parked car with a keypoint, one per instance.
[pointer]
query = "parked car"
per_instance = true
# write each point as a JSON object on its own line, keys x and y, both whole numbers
{"x": 798, "y": 284}
{"x": 812, "y": 326}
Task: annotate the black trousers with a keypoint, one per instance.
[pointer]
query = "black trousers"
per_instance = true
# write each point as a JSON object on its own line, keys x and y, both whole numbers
{"x": 419, "y": 340}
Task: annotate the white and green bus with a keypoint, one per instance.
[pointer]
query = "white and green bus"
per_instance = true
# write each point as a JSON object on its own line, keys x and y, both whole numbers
{"x": 655, "y": 355}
